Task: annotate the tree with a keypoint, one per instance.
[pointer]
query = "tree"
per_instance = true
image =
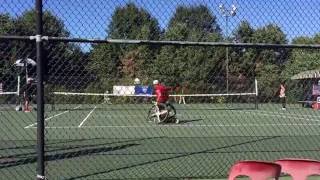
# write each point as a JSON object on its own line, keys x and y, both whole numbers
{"x": 131, "y": 22}
{"x": 194, "y": 66}
{"x": 301, "y": 60}
{"x": 263, "y": 64}
{"x": 198, "y": 19}
{"x": 121, "y": 63}
{"x": 7, "y": 71}
{"x": 104, "y": 62}
{"x": 242, "y": 59}
{"x": 61, "y": 58}
{"x": 268, "y": 62}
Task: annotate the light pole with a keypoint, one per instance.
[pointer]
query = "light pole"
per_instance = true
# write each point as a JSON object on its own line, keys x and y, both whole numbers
{"x": 227, "y": 13}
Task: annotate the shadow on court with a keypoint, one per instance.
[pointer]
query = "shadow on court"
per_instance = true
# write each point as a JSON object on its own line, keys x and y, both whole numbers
{"x": 65, "y": 149}
{"x": 177, "y": 155}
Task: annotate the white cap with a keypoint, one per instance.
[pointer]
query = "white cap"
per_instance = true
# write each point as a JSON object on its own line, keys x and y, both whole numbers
{"x": 155, "y": 82}
{"x": 136, "y": 81}
{"x": 29, "y": 80}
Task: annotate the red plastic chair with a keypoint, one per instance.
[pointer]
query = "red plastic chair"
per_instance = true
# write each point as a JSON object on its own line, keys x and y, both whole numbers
{"x": 256, "y": 170}
{"x": 299, "y": 169}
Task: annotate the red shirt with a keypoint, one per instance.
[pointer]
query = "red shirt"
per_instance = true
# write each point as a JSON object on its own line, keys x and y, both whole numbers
{"x": 162, "y": 93}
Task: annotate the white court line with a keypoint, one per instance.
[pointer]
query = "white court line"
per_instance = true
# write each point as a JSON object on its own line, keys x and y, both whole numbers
{"x": 200, "y": 116}
{"x": 284, "y": 115}
{"x": 253, "y": 113}
{"x": 184, "y": 126}
{"x": 56, "y": 115}
{"x": 87, "y": 116}
{"x": 293, "y": 114}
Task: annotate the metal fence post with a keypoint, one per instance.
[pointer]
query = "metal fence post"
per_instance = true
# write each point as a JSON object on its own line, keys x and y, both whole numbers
{"x": 40, "y": 94}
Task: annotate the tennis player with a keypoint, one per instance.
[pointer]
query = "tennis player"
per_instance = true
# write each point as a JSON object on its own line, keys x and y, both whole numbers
{"x": 162, "y": 95}
{"x": 282, "y": 95}
{"x": 28, "y": 95}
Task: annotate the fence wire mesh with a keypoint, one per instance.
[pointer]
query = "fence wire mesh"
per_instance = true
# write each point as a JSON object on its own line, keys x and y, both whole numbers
{"x": 226, "y": 62}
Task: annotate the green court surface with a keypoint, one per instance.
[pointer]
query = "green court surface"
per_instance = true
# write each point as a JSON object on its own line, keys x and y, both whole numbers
{"x": 116, "y": 141}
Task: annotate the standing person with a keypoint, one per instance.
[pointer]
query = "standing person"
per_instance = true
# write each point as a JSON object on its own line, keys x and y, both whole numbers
{"x": 138, "y": 90}
{"x": 181, "y": 98}
{"x": 282, "y": 95}
{"x": 162, "y": 95}
{"x": 27, "y": 94}
{"x": 107, "y": 98}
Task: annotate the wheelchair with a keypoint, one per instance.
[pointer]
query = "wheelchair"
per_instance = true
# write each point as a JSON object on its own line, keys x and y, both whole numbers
{"x": 162, "y": 113}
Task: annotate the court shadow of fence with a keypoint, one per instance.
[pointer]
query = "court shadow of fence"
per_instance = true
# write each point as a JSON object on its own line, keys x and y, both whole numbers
{"x": 76, "y": 151}
{"x": 172, "y": 156}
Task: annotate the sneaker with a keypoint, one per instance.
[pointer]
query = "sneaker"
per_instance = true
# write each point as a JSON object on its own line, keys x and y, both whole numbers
{"x": 177, "y": 121}
{"x": 283, "y": 108}
{"x": 18, "y": 108}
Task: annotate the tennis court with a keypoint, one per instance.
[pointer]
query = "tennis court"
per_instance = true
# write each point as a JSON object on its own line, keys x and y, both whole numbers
{"x": 116, "y": 141}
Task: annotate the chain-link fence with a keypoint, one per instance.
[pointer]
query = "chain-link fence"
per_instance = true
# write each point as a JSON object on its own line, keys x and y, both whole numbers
{"x": 244, "y": 78}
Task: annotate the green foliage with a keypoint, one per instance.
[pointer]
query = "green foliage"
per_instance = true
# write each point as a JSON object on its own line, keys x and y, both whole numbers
{"x": 269, "y": 34}
{"x": 6, "y": 47}
{"x": 269, "y": 63}
{"x": 131, "y": 22}
{"x": 61, "y": 58}
{"x": 7, "y": 24}
{"x": 264, "y": 64}
{"x": 122, "y": 63}
{"x": 52, "y": 26}
{"x": 244, "y": 32}
{"x": 301, "y": 60}
{"x": 218, "y": 99}
{"x": 189, "y": 66}
{"x": 194, "y": 67}
{"x": 104, "y": 62}
{"x": 197, "y": 19}
{"x": 268, "y": 78}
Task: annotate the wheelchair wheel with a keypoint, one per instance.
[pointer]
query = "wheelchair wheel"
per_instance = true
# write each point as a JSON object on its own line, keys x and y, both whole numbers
{"x": 156, "y": 115}
{"x": 171, "y": 110}
{"x": 152, "y": 117}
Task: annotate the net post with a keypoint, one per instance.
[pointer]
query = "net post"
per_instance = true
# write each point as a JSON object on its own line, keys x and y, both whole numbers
{"x": 52, "y": 96}
{"x": 256, "y": 93}
{"x": 18, "y": 86}
{"x": 18, "y": 98}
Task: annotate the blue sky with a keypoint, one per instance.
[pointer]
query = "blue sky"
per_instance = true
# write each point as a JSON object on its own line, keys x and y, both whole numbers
{"x": 89, "y": 18}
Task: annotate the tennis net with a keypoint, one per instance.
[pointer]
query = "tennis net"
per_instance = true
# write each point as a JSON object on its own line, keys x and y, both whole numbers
{"x": 69, "y": 100}
{"x": 9, "y": 96}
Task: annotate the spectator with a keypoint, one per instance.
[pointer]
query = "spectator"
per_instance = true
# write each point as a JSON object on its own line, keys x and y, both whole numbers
{"x": 282, "y": 95}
